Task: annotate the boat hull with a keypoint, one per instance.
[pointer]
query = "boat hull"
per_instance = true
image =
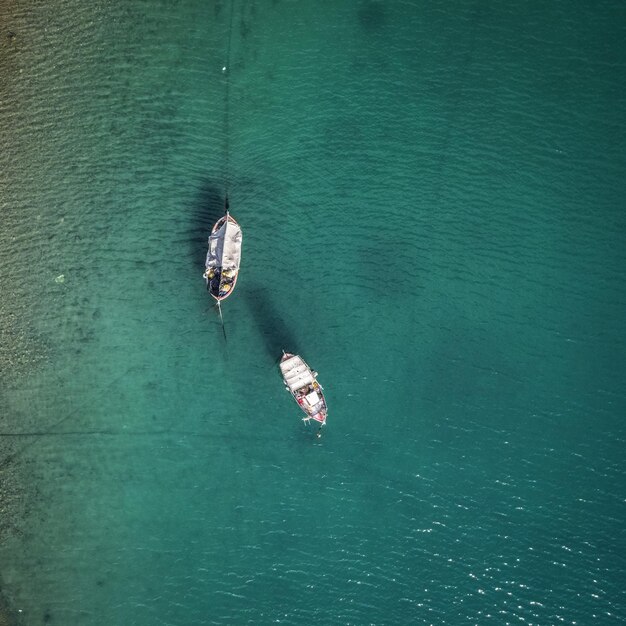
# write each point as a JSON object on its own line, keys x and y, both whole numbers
{"x": 301, "y": 382}
{"x": 215, "y": 276}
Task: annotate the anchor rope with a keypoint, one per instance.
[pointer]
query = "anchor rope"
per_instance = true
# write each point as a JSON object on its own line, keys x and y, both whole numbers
{"x": 226, "y": 72}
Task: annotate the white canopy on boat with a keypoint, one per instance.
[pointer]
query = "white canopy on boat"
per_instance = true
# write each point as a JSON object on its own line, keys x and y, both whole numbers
{"x": 313, "y": 398}
{"x": 225, "y": 247}
{"x": 296, "y": 373}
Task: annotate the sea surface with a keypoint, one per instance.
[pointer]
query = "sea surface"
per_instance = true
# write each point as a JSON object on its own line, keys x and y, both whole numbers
{"x": 432, "y": 202}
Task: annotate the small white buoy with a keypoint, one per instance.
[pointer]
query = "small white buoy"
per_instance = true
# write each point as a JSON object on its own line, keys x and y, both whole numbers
{"x": 224, "y": 69}
{"x": 60, "y": 278}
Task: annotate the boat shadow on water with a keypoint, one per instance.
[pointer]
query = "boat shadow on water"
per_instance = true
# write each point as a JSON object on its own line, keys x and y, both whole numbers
{"x": 277, "y": 336}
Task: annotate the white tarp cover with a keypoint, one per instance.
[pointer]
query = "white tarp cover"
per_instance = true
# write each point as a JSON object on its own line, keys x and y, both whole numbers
{"x": 296, "y": 373}
{"x": 225, "y": 247}
{"x": 313, "y": 398}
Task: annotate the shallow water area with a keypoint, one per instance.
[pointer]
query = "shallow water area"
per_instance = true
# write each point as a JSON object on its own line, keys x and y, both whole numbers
{"x": 429, "y": 201}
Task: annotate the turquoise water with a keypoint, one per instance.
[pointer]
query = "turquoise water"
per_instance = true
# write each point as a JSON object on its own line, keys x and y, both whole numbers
{"x": 431, "y": 199}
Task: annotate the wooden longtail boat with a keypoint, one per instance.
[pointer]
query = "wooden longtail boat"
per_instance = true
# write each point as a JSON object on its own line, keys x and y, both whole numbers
{"x": 301, "y": 381}
{"x": 223, "y": 257}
